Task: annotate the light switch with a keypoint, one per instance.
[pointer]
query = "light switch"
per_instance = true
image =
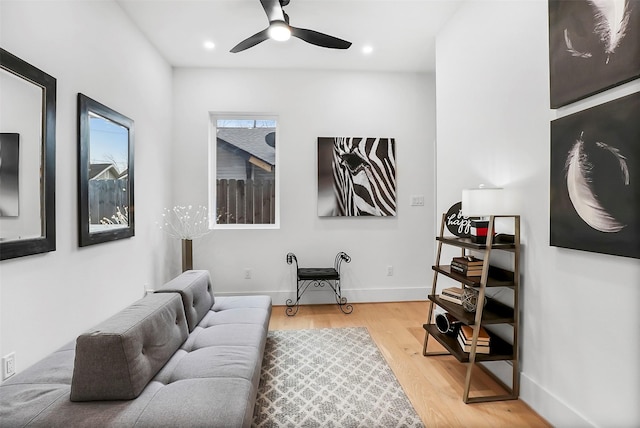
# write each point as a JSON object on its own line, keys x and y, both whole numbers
{"x": 417, "y": 200}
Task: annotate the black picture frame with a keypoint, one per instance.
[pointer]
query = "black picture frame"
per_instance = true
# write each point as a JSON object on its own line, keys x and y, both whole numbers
{"x": 46, "y": 242}
{"x": 581, "y": 64}
{"x": 89, "y": 231}
{"x": 595, "y": 191}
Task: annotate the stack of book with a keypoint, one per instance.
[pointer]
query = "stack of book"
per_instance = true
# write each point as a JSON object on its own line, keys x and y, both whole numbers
{"x": 468, "y": 266}
{"x": 452, "y": 294}
{"x": 465, "y": 337}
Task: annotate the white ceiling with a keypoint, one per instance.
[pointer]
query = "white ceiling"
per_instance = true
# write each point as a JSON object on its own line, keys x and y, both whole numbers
{"x": 401, "y": 32}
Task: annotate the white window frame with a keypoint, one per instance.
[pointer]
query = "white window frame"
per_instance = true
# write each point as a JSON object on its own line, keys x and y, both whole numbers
{"x": 214, "y": 117}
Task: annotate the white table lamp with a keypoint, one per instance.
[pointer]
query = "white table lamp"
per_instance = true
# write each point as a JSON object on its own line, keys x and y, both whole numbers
{"x": 483, "y": 202}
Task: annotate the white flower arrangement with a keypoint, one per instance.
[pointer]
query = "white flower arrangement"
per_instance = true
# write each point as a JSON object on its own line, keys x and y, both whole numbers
{"x": 188, "y": 222}
{"x": 119, "y": 218}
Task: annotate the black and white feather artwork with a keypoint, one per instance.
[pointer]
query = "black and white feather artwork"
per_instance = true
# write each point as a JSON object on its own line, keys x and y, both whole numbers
{"x": 595, "y": 179}
{"x": 571, "y": 49}
{"x": 611, "y": 21}
{"x": 581, "y": 166}
{"x": 593, "y": 45}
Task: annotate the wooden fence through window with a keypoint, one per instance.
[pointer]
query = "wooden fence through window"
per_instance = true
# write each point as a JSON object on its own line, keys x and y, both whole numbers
{"x": 105, "y": 197}
{"x": 246, "y": 201}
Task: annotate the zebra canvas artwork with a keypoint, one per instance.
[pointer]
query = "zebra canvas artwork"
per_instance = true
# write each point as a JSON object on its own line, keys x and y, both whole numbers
{"x": 356, "y": 177}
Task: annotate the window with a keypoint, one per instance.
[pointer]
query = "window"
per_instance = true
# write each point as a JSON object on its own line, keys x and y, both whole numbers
{"x": 243, "y": 176}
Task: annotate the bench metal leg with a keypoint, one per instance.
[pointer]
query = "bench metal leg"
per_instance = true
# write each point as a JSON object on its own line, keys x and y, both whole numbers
{"x": 303, "y": 285}
{"x": 292, "y": 307}
{"x": 345, "y": 307}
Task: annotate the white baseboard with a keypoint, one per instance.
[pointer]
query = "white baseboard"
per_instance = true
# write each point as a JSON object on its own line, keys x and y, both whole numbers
{"x": 550, "y": 407}
{"x": 325, "y": 295}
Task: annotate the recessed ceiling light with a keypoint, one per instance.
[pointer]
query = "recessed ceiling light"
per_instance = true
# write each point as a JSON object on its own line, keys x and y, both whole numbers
{"x": 209, "y": 45}
{"x": 367, "y": 49}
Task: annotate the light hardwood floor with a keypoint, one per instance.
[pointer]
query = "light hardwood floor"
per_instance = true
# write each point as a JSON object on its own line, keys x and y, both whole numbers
{"x": 433, "y": 384}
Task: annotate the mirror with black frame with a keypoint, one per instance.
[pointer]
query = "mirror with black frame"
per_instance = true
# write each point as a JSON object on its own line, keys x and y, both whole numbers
{"x": 27, "y": 159}
{"x": 105, "y": 138}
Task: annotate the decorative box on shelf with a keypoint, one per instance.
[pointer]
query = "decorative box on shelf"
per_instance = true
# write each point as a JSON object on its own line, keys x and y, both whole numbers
{"x": 479, "y": 230}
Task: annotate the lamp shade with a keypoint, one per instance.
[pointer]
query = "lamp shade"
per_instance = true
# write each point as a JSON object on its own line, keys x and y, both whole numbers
{"x": 483, "y": 201}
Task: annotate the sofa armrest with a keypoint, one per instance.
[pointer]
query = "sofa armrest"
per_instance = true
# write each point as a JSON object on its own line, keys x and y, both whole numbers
{"x": 116, "y": 359}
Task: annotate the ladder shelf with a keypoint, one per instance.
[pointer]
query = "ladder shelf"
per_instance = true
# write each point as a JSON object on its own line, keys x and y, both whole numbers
{"x": 491, "y": 313}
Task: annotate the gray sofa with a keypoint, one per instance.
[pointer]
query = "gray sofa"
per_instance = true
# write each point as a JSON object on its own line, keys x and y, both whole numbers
{"x": 179, "y": 357}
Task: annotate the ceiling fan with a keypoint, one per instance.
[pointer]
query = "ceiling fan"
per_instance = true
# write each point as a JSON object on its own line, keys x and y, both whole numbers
{"x": 279, "y": 29}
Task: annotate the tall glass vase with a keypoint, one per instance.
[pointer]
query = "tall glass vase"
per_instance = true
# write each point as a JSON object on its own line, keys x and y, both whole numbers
{"x": 187, "y": 254}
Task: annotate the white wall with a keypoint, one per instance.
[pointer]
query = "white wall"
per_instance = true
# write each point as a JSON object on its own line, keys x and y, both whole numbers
{"x": 312, "y": 104}
{"x": 580, "y": 318}
{"x": 89, "y": 47}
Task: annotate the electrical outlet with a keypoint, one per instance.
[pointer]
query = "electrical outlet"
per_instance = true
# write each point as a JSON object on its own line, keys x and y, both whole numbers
{"x": 247, "y": 273}
{"x": 389, "y": 270}
{"x": 8, "y": 365}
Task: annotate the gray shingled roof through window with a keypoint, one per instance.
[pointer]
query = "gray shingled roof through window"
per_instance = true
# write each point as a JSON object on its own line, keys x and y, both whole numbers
{"x": 95, "y": 169}
{"x": 251, "y": 140}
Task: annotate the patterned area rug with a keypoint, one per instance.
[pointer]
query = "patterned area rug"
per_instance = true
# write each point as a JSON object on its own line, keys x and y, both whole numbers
{"x": 329, "y": 378}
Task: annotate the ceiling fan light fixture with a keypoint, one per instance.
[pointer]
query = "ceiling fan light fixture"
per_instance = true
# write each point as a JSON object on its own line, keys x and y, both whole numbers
{"x": 280, "y": 31}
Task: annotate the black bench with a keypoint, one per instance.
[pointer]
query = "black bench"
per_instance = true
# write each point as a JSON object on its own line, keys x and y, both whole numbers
{"x": 318, "y": 277}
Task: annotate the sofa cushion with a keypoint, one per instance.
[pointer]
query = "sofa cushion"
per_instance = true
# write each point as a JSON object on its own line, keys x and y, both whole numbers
{"x": 116, "y": 359}
{"x": 197, "y": 294}
{"x": 224, "y": 303}
{"x": 242, "y": 362}
{"x": 22, "y": 402}
{"x": 51, "y": 408}
{"x": 56, "y": 368}
{"x": 237, "y": 316}
{"x": 227, "y": 335}
{"x": 212, "y": 403}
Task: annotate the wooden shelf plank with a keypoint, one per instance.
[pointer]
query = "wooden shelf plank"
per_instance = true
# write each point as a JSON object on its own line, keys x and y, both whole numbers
{"x": 494, "y": 312}
{"x": 467, "y": 243}
{"x": 500, "y": 350}
{"x": 498, "y": 277}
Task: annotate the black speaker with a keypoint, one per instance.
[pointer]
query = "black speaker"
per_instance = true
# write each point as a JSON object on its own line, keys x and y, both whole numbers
{"x": 447, "y": 324}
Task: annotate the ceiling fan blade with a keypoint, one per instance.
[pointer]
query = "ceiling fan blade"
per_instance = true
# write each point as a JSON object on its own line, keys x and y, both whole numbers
{"x": 251, "y": 41}
{"x": 319, "y": 39}
{"x": 273, "y": 9}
